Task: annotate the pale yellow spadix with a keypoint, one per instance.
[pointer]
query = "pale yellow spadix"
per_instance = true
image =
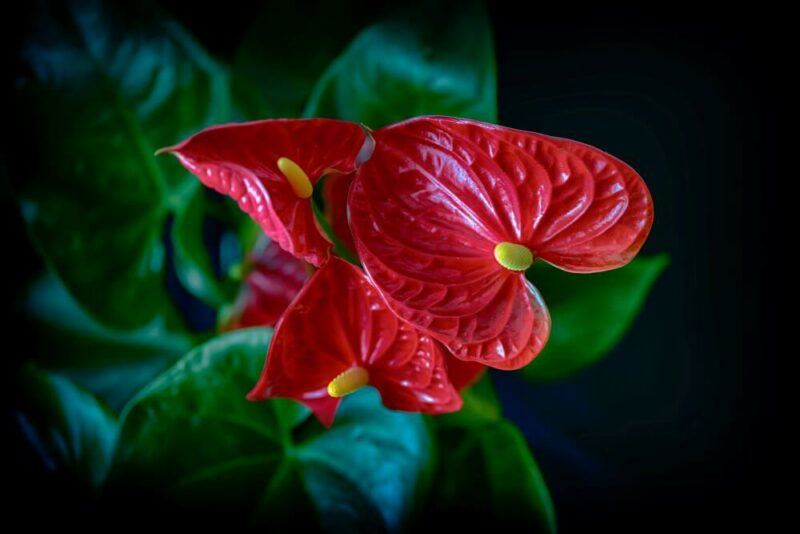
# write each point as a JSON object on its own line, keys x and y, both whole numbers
{"x": 296, "y": 177}
{"x": 349, "y": 381}
{"x": 512, "y": 256}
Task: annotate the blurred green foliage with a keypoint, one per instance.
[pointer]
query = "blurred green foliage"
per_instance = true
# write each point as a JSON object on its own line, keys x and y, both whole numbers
{"x": 103, "y": 90}
{"x": 70, "y": 429}
{"x": 485, "y": 467}
{"x": 590, "y": 313}
{"x": 406, "y": 65}
{"x": 111, "y": 362}
{"x": 105, "y": 86}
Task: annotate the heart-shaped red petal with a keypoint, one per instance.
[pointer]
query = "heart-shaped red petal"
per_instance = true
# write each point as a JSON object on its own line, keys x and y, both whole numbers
{"x": 439, "y": 194}
{"x": 241, "y": 161}
{"x": 339, "y": 321}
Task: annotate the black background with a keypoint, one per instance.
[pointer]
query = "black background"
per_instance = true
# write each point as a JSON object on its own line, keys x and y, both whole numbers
{"x": 679, "y": 427}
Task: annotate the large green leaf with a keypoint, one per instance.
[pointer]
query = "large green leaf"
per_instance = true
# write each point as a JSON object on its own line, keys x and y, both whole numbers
{"x": 590, "y": 313}
{"x": 486, "y": 474}
{"x": 104, "y": 86}
{"x": 113, "y": 364}
{"x": 72, "y": 432}
{"x": 191, "y": 437}
{"x": 433, "y": 58}
{"x": 287, "y": 48}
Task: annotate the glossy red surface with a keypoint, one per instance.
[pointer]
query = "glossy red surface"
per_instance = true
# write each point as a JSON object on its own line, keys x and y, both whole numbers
{"x": 339, "y": 321}
{"x": 458, "y": 188}
{"x": 240, "y": 160}
{"x": 274, "y": 279}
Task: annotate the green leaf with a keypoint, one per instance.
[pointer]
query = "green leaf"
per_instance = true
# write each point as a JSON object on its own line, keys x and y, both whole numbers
{"x": 590, "y": 313}
{"x": 486, "y": 469}
{"x": 286, "y": 50}
{"x": 71, "y": 431}
{"x": 105, "y": 86}
{"x": 192, "y": 434}
{"x": 113, "y": 364}
{"x": 429, "y": 59}
{"x": 192, "y": 260}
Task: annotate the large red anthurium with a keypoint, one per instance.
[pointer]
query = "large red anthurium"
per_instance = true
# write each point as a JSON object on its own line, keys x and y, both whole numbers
{"x": 270, "y": 168}
{"x": 338, "y": 336}
{"x": 448, "y": 214}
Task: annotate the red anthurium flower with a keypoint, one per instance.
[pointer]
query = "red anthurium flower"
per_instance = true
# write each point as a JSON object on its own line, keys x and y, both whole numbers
{"x": 338, "y": 336}
{"x": 270, "y": 167}
{"x": 274, "y": 279}
{"x": 448, "y": 214}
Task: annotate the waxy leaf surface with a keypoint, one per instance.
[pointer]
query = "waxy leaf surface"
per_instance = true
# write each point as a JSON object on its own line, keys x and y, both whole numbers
{"x": 241, "y": 161}
{"x": 339, "y": 321}
{"x": 459, "y": 188}
{"x": 193, "y": 438}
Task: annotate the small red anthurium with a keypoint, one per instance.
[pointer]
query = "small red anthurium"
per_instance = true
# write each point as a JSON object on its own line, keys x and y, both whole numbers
{"x": 338, "y": 336}
{"x": 270, "y": 168}
{"x": 273, "y": 279}
{"x": 448, "y": 214}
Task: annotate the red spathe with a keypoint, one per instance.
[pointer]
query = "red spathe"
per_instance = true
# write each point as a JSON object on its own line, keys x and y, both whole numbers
{"x": 240, "y": 160}
{"x": 339, "y": 321}
{"x": 438, "y": 195}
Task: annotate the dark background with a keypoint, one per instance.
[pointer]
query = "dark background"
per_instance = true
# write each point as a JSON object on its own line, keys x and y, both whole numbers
{"x": 677, "y": 428}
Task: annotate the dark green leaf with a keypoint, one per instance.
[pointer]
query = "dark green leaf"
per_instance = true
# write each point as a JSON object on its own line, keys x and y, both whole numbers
{"x": 429, "y": 59}
{"x": 192, "y": 435}
{"x": 590, "y": 312}
{"x": 72, "y": 432}
{"x": 111, "y": 363}
{"x": 486, "y": 471}
{"x": 192, "y": 260}
{"x": 286, "y": 50}
{"x": 105, "y": 86}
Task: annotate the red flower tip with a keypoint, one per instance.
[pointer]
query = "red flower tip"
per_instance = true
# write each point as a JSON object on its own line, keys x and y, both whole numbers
{"x": 338, "y": 336}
